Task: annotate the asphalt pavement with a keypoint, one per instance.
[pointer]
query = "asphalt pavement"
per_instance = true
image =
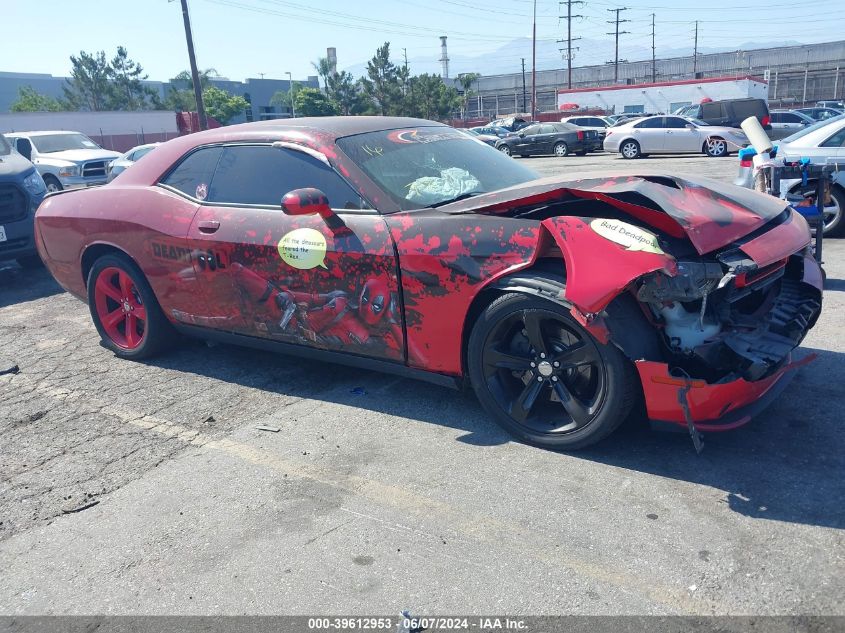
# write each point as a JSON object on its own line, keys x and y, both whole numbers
{"x": 147, "y": 488}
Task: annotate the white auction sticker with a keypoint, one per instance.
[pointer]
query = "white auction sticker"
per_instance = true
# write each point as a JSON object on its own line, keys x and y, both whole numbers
{"x": 633, "y": 238}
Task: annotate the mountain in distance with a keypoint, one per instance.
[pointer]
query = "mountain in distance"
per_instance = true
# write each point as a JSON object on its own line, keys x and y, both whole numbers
{"x": 507, "y": 58}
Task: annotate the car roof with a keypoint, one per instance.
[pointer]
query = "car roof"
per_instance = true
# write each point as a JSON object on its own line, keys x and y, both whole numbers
{"x": 334, "y": 126}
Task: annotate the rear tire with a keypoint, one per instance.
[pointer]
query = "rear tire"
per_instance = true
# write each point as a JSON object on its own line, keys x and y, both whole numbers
{"x": 561, "y": 149}
{"x": 124, "y": 309}
{"x": 630, "y": 150}
{"x": 578, "y": 390}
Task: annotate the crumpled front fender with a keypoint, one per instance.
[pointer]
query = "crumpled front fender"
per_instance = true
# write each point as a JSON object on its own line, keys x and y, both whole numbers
{"x": 603, "y": 257}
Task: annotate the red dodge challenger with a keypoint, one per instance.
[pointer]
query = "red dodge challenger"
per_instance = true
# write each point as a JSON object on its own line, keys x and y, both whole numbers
{"x": 407, "y": 246}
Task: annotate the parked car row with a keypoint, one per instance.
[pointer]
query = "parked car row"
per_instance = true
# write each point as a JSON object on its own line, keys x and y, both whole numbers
{"x": 560, "y": 139}
{"x": 33, "y": 164}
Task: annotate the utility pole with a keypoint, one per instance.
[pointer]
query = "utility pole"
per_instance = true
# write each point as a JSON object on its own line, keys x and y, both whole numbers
{"x": 405, "y": 80}
{"x": 195, "y": 75}
{"x": 569, "y": 39}
{"x": 653, "y": 59}
{"x": 534, "y": 64}
{"x": 523, "y": 85}
{"x": 617, "y": 21}
{"x": 695, "y": 52}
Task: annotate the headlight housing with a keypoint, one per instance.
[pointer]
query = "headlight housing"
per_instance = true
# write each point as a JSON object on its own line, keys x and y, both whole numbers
{"x": 70, "y": 170}
{"x": 34, "y": 183}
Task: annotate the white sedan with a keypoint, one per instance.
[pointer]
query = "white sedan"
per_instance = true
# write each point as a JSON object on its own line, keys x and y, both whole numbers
{"x": 672, "y": 135}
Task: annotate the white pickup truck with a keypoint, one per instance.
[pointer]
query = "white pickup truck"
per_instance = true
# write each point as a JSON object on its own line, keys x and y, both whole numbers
{"x": 66, "y": 160}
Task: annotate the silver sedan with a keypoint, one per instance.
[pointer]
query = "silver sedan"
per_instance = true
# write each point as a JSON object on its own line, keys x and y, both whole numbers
{"x": 128, "y": 159}
{"x": 672, "y": 135}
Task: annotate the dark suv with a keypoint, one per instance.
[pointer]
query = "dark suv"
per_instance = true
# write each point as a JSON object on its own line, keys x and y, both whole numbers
{"x": 730, "y": 112}
{"x": 21, "y": 191}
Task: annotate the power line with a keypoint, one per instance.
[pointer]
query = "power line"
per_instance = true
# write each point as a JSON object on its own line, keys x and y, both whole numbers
{"x": 618, "y": 33}
{"x": 569, "y": 39}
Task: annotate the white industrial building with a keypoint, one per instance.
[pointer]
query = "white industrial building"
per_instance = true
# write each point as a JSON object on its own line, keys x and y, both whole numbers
{"x": 666, "y": 96}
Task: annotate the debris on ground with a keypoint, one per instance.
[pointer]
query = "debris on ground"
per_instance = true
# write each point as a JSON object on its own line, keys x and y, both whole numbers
{"x": 14, "y": 369}
{"x": 272, "y": 429}
{"x": 87, "y": 503}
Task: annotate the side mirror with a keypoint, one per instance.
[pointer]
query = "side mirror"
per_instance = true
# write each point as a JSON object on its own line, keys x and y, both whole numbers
{"x": 521, "y": 134}
{"x": 308, "y": 201}
{"x": 305, "y": 202}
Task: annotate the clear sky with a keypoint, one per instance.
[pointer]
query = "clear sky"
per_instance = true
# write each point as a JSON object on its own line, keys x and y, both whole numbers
{"x": 243, "y": 38}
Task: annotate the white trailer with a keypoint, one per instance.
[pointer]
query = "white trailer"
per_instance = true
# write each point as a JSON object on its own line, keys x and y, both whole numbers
{"x": 665, "y": 96}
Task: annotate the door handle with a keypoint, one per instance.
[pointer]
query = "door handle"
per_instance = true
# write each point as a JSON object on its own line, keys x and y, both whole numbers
{"x": 208, "y": 226}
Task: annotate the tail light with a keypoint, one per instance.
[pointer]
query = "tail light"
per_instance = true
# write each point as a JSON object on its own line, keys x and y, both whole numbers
{"x": 767, "y": 120}
{"x": 580, "y": 135}
{"x": 745, "y": 163}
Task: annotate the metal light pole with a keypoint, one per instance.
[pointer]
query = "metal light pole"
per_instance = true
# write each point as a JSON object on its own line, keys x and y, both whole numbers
{"x": 290, "y": 94}
{"x": 195, "y": 76}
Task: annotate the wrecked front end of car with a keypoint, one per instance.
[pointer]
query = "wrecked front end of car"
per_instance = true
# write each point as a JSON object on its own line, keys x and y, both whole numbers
{"x": 707, "y": 288}
{"x": 728, "y": 327}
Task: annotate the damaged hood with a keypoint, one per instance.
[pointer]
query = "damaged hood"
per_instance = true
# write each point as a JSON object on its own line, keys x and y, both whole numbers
{"x": 709, "y": 213}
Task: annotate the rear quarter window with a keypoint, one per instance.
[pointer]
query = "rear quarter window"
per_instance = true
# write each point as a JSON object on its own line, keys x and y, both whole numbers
{"x": 744, "y": 109}
{"x": 193, "y": 175}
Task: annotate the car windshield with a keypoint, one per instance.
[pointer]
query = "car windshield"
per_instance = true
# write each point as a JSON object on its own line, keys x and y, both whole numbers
{"x": 813, "y": 128}
{"x": 142, "y": 152}
{"x": 431, "y": 166}
{"x": 49, "y": 143}
{"x": 5, "y": 148}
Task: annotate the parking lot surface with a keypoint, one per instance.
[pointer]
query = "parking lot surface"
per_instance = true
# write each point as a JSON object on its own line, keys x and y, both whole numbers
{"x": 131, "y": 487}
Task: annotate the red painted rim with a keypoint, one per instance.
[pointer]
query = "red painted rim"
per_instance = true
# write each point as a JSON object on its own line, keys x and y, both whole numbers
{"x": 120, "y": 308}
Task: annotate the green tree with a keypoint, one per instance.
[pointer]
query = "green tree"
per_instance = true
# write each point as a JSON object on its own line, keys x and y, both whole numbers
{"x": 466, "y": 80}
{"x": 89, "y": 86}
{"x": 382, "y": 83}
{"x": 29, "y": 100}
{"x": 222, "y": 105}
{"x": 286, "y": 99}
{"x": 312, "y": 102}
{"x": 180, "y": 97}
{"x": 325, "y": 72}
{"x": 429, "y": 98}
{"x": 127, "y": 89}
{"x": 348, "y": 94}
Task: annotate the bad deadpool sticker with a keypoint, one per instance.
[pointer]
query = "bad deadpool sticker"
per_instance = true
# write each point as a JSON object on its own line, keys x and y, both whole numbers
{"x": 633, "y": 238}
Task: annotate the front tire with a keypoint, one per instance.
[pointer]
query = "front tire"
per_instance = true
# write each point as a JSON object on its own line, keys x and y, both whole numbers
{"x": 630, "y": 149}
{"x": 561, "y": 149}
{"x": 52, "y": 183}
{"x": 716, "y": 147}
{"x": 544, "y": 378}
{"x": 505, "y": 150}
{"x": 125, "y": 310}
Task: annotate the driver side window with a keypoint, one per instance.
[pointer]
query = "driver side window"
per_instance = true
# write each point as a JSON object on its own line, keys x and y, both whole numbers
{"x": 262, "y": 175}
